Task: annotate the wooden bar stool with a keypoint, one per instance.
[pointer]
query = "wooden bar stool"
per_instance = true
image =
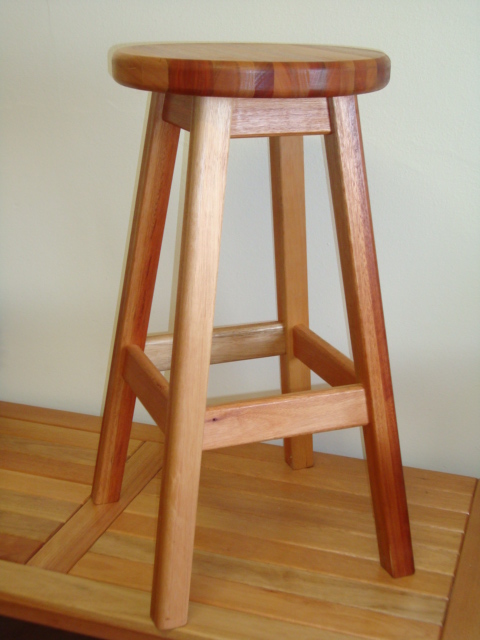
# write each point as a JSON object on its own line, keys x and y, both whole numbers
{"x": 219, "y": 91}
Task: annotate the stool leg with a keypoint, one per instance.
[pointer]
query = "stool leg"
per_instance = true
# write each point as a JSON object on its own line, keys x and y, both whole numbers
{"x": 160, "y": 148}
{"x": 288, "y": 200}
{"x": 206, "y": 176}
{"x": 364, "y": 306}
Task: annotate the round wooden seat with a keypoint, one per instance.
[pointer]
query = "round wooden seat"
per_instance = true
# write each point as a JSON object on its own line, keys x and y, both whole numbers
{"x": 251, "y": 70}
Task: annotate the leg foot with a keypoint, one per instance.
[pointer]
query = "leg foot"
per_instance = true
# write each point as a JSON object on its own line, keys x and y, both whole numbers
{"x": 367, "y": 329}
{"x": 192, "y": 339}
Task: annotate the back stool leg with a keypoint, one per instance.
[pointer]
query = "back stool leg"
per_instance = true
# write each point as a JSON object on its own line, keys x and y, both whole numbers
{"x": 367, "y": 329}
{"x": 158, "y": 161}
{"x": 288, "y": 200}
{"x": 206, "y": 176}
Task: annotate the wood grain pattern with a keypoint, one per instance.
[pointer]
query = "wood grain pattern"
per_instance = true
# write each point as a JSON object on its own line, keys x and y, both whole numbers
{"x": 25, "y": 504}
{"x": 15, "y": 548}
{"x": 49, "y": 433}
{"x": 45, "y": 467}
{"x": 330, "y": 486}
{"x": 65, "y": 548}
{"x": 287, "y": 556}
{"x": 290, "y": 241}
{"x": 425, "y": 488}
{"x": 44, "y": 415}
{"x": 160, "y": 147}
{"x": 210, "y": 573}
{"x": 346, "y": 167}
{"x": 463, "y": 614}
{"x": 30, "y": 527}
{"x": 47, "y": 597}
{"x": 278, "y": 553}
{"x": 351, "y": 531}
{"x": 206, "y": 178}
{"x": 431, "y": 557}
{"x": 229, "y": 344}
{"x": 322, "y": 358}
{"x": 148, "y": 384}
{"x": 35, "y": 485}
{"x": 288, "y": 415}
{"x": 250, "y": 70}
{"x": 248, "y": 585}
{"x": 253, "y": 117}
{"x": 121, "y": 613}
{"x": 68, "y": 420}
{"x": 48, "y": 450}
{"x": 278, "y": 117}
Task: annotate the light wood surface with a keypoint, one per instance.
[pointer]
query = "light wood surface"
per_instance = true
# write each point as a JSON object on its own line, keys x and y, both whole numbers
{"x": 252, "y": 117}
{"x": 322, "y": 358}
{"x": 284, "y": 416}
{"x": 67, "y": 419}
{"x": 463, "y": 616}
{"x": 206, "y": 178}
{"x": 160, "y": 147}
{"x": 351, "y": 204}
{"x": 64, "y": 549}
{"x": 277, "y": 553}
{"x": 290, "y": 241}
{"x": 148, "y": 384}
{"x": 278, "y": 117}
{"x": 229, "y": 344}
{"x": 248, "y": 70}
{"x": 210, "y": 80}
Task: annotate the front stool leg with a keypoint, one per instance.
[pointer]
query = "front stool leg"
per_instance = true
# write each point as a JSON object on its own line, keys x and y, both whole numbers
{"x": 206, "y": 177}
{"x": 290, "y": 239}
{"x": 158, "y": 162}
{"x": 351, "y": 204}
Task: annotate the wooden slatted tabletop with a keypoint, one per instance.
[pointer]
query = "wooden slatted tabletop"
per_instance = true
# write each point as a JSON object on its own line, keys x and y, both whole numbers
{"x": 278, "y": 553}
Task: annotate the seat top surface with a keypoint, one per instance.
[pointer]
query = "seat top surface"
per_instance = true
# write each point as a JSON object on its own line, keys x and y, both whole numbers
{"x": 250, "y": 70}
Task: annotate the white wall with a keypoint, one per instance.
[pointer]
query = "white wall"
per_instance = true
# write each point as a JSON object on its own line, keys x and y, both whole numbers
{"x": 68, "y": 159}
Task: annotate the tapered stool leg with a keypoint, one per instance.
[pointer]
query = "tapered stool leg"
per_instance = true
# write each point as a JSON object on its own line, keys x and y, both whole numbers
{"x": 367, "y": 329}
{"x": 288, "y": 200}
{"x": 160, "y": 147}
{"x": 207, "y": 165}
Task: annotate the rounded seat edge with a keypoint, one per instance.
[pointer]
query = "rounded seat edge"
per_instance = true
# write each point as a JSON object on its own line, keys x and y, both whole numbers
{"x": 250, "y": 71}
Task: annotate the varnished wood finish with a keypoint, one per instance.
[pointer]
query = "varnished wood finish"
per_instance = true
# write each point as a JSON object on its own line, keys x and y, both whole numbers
{"x": 206, "y": 178}
{"x": 263, "y": 566}
{"x": 463, "y": 615}
{"x": 158, "y": 161}
{"x": 346, "y": 167}
{"x": 217, "y": 91}
{"x": 69, "y": 544}
{"x": 33, "y": 420}
{"x": 148, "y": 384}
{"x": 278, "y": 117}
{"x": 229, "y": 344}
{"x": 253, "y": 117}
{"x": 322, "y": 358}
{"x": 290, "y": 240}
{"x": 290, "y": 415}
{"x": 250, "y": 70}
{"x": 287, "y": 416}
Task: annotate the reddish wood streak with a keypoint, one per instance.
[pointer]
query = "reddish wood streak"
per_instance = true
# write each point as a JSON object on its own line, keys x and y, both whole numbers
{"x": 251, "y": 71}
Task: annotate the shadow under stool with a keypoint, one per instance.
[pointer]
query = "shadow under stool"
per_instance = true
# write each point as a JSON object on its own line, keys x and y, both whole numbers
{"x": 218, "y": 92}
